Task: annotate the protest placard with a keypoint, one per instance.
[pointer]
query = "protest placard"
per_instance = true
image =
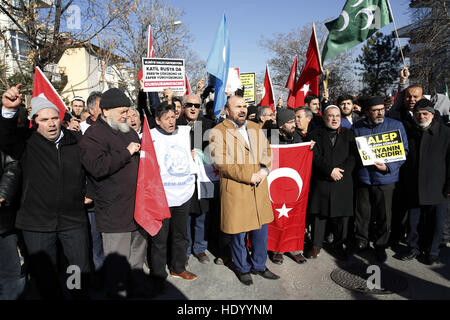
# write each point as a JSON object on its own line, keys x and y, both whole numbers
{"x": 161, "y": 73}
{"x": 382, "y": 147}
{"x": 233, "y": 81}
{"x": 248, "y": 82}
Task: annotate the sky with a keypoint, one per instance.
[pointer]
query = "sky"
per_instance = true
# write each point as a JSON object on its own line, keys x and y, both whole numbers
{"x": 249, "y": 20}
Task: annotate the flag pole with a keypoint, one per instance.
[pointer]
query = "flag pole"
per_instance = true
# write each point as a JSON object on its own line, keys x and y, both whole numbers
{"x": 396, "y": 33}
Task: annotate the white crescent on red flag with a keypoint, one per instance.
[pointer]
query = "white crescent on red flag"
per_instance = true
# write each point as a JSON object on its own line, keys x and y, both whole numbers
{"x": 288, "y": 183}
{"x": 308, "y": 82}
{"x": 268, "y": 96}
{"x": 151, "y": 206}
{"x": 44, "y": 89}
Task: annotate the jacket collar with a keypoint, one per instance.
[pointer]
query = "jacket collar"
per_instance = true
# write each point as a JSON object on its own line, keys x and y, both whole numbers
{"x": 231, "y": 127}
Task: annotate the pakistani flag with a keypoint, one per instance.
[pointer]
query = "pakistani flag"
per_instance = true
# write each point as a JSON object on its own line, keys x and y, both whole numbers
{"x": 358, "y": 21}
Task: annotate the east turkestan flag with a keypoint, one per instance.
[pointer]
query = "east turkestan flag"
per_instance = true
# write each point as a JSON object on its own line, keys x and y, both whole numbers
{"x": 218, "y": 63}
{"x": 359, "y": 20}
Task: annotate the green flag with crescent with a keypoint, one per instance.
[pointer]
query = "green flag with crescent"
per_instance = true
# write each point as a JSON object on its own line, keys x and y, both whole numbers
{"x": 358, "y": 21}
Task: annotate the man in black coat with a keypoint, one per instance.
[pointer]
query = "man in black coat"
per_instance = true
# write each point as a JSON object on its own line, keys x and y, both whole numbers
{"x": 197, "y": 220}
{"x": 110, "y": 154}
{"x": 426, "y": 181}
{"x": 52, "y": 203}
{"x": 331, "y": 190}
{"x": 12, "y": 283}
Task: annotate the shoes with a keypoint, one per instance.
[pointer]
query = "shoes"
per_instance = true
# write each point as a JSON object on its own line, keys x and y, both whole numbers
{"x": 222, "y": 261}
{"x": 313, "y": 253}
{"x": 431, "y": 260}
{"x": 267, "y": 274}
{"x": 245, "y": 278}
{"x": 381, "y": 255}
{"x": 202, "y": 257}
{"x": 186, "y": 275}
{"x": 299, "y": 258}
{"x": 277, "y": 258}
{"x": 408, "y": 256}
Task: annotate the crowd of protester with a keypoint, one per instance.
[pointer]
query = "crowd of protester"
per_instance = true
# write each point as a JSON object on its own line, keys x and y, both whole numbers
{"x": 68, "y": 187}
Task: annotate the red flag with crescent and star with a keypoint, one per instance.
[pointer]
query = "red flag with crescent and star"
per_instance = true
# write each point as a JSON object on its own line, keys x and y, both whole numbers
{"x": 308, "y": 82}
{"x": 288, "y": 189}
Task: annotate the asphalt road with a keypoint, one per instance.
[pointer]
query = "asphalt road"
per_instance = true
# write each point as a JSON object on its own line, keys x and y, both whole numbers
{"x": 311, "y": 280}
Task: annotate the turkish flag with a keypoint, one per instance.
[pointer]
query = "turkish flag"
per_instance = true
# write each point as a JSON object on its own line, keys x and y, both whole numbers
{"x": 288, "y": 189}
{"x": 290, "y": 85}
{"x": 187, "y": 86}
{"x": 267, "y": 99}
{"x": 308, "y": 82}
{"x": 151, "y": 206}
{"x": 44, "y": 89}
{"x": 150, "y": 51}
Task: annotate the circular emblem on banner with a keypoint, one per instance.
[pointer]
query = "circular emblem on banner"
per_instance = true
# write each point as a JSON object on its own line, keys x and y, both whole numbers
{"x": 176, "y": 161}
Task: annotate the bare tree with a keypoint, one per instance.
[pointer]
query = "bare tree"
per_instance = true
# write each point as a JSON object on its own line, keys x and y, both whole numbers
{"x": 285, "y": 46}
{"x": 429, "y": 42}
{"x": 171, "y": 38}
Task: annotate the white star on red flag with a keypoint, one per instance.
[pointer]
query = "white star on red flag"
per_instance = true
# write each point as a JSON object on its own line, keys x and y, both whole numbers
{"x": 305, "y": 89}
{"x": 283, "y": 211}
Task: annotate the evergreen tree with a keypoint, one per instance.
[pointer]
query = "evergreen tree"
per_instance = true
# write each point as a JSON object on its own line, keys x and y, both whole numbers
{"x": 381, "y": 62}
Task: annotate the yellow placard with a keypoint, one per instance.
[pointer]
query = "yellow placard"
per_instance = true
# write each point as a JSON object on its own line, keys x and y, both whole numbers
{"x": 382, "y": 147}
{"x": 248, "y": 82}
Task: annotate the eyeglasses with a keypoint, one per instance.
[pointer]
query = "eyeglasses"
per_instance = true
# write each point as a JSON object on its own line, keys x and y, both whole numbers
{"x": 190, "y": 104}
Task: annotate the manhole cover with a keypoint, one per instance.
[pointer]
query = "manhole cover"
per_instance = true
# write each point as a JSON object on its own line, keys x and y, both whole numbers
{"x": 355, "y": 276}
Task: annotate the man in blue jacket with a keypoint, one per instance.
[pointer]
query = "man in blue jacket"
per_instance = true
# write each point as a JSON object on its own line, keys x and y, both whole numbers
{"x": 376, "y": 183}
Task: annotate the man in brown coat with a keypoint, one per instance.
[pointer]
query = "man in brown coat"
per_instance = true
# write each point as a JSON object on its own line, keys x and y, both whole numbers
{"x": 242, "y": 155}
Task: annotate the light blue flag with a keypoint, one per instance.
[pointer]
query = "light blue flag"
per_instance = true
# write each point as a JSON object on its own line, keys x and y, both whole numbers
{"x": 217, "y": 64}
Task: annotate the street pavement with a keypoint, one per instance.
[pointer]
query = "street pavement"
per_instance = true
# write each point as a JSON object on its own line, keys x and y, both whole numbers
{"x": 310, "y": 281}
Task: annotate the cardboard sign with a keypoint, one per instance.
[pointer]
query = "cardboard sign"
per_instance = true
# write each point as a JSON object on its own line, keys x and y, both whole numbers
{"x": 381, "y": 147}
{"x": 161, "y": 73}
{"x": 233, "y": 81}
{"x": 248, "y": 82}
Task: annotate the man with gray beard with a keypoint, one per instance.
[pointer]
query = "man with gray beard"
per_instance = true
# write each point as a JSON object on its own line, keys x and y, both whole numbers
{"x": 426, "y": 181}
{"x": 110, "y": 154}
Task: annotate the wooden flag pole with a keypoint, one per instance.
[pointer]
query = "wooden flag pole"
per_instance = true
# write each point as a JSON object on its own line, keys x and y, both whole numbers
{"x": 396, "y": 33}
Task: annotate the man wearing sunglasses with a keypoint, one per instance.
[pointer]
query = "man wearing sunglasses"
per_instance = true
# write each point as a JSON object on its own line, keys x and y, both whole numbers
{"x": 200, "y": 206}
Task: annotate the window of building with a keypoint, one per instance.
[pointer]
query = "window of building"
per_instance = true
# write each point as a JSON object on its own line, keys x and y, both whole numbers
{"x": 19, "y": 45}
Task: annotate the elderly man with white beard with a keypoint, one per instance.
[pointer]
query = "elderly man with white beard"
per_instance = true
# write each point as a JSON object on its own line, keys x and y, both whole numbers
{"x": 426, "y": 181}
{"x": 110, "y": 154}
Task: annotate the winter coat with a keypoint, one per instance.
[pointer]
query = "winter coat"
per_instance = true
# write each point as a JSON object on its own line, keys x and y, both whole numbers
{"x": 244, "y": 207}
{"x": 53, "y": 185}
{"x": 10, "y": 181}
{"x": 198, "y": 142}
{"x": 113, "y": 172}
{"x": 369, "y": 175}
{"x": 425, "y": 176}
{"x": 329, "y": 198}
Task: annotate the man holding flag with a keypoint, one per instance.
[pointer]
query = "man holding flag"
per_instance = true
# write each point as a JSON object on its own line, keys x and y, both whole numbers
{"x": 245, "y": 204}
{"x": 110, "y": 154}
{"x": 52, "y": 205}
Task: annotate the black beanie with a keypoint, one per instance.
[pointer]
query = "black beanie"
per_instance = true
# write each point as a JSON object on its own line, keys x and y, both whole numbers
{"x": 114, "y": 98}
{"x": 284, "y": 115}
{"x": 367, "y": 102}
{"x": 424, "y": 104}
